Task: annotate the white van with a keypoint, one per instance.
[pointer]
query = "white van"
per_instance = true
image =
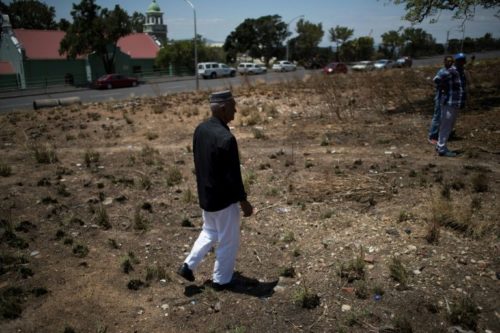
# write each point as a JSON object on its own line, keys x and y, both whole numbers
{"x": 212, "y": 70}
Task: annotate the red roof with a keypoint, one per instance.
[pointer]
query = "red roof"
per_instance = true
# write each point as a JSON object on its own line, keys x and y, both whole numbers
{"x": 41, "y": 44}
{"x": 6, "y": 68}
{"x": 139, "y": 46}
{"x": 44, "y": 44}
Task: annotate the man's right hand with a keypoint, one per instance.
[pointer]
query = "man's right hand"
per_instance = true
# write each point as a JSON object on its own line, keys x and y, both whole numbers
{"x": 247, "y": 208}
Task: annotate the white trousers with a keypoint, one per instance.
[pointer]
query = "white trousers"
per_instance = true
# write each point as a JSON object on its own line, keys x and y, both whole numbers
{"x": 221, "y": 227}
{"x": 448, "y": 118}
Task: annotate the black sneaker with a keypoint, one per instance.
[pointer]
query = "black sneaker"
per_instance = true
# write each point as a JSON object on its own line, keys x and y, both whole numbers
{"x": 220, "y": 287}
{"x": 186, "y": 272}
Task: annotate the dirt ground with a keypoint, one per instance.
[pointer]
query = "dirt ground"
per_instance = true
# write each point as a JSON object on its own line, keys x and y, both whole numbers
{"x": 359, "y": 225}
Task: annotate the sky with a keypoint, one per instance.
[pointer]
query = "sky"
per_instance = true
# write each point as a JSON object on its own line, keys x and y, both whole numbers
{"x": 216, "y": 19}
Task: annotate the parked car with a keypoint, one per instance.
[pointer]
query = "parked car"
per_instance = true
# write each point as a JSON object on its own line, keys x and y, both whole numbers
{"x": 403, "y": 62}
{"x": 251, "y": 68}
{"x": 110, "y": 81}
{"x": 383, "y": 64}
{"x": 284, "y": 66}
{"x": 363, "y": 66}
{"x": 335, "y": 67}
{"x": 212, "y": 70}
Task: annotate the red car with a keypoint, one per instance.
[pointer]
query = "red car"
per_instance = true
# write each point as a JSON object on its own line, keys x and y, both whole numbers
{"x": 335, "y": 67}
{"x": 110, "y": 81}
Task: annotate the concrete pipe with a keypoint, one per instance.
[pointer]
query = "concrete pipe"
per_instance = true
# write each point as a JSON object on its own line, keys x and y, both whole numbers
{"x": 44, "y": 103}
{"x": 69, "y": 101}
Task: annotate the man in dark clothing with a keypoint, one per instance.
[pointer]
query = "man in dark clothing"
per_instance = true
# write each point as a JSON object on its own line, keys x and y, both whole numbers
{"x": 220, "y": 190}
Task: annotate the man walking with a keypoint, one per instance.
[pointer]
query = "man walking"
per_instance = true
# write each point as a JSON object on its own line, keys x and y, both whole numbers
{"x": 220, "y": 192}
{"x": 454, "y": 96}
{"x": 436, "y": 117}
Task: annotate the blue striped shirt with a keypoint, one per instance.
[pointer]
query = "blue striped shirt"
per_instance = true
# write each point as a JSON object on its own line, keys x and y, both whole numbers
{"x": 453, "y": 83}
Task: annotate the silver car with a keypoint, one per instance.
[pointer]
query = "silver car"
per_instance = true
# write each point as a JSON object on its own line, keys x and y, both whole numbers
{"x": 251, "y": 68}
{"x": 284, "y": 66}
{"x": 363, "y": 66}
{"x": 383, "y": 64}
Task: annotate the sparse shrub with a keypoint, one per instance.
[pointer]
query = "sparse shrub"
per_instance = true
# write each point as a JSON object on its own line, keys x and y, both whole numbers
{"x": 464, "y": 312}
{"x": 156, "y": 272}
{"x": 480, "y": 183}
{"x": 145, "y": 182}
{"x": 188, "y": 196}
{"x": 378, "y": 290}
{"x": 91, "y": 157}
{"x": 402, "y": 325}
{"x": 404, "y": 216}
{"x": 398, "y": 271}
{"x": 68, "y": 241}
{"x": 288, "y": 237}
{"x": 248, "y": 180}
{"x": 306, "y": 299}
{"x": 135, "y": 284}
{"x": 174, "y": 176}
{"x": 113, "y": 243}
{"x": 433, "y": 232}
{"x": 80, "y": 251}
{"x": 11, "y": 303}
{"x": 5, "y": 170}
{"x": 187, "y": 223}
{"x": 328, "y": 214}
{"x": 296, "y": 253}
{"x": 258, "y": 133}
{"x": 102, "y": 217}
{"x": 62, "y": 190}
{"x": 446, "y": 191}
{"x": 26, "y": 272}
{"x": 475, "y": 203}
{"x": 288, "y": 271}
{"x": 353, "y": 270}
{"x": 361, "y": 289}
{"x": 149, "y": 155}
{"x": 140, "y": 222}
{"x": 126, "y": 265}
{"x": 151, "y": 136}
{"x": 43, "y": 154}
{"x": 147, "y": 206}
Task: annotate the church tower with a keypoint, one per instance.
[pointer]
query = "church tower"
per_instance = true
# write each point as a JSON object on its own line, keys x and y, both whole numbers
{"x": 154, "y": 23}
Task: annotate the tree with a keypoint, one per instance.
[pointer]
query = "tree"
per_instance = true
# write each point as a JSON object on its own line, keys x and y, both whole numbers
{"x": 418, "y": 42}
{"x": 137, "y": 21}
{"x": 30, "y": 14}
{"x": 364, "y": 48}
{"x": 95, "y": 30}
{"x": 63, "y": 24}
{"x": 260, "y": 38}
{"x": 391, "y": 41}
{"x": 419, "y": 10}
{"x": 305, "y": 45}
{"x": 180, "y": 54}
{"x": 340, "y": 35}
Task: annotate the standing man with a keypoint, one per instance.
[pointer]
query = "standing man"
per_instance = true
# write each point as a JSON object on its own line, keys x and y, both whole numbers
{"x": 454, "y": 96}
{"x": 220, "y": 191}
{"x": 436, "y": 117}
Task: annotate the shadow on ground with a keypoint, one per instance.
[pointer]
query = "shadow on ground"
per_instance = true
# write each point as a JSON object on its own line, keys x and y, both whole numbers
{"x": 240, "y": 285}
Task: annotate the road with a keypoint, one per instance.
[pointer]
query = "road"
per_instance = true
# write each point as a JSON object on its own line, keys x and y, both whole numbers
{"x": 8, "y": 103}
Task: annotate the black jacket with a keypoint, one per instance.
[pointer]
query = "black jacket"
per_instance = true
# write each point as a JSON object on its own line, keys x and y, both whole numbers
{"x": 217, "y": 166}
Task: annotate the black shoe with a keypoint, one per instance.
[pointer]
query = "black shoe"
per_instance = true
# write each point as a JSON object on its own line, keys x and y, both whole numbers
{"x": 220, "y": 287}
{"x": 186, "y": 272}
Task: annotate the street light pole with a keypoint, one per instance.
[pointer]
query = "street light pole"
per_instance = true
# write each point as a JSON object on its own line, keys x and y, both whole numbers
{"x": 288, "y": 41}
{"x": 195, "y": 47}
